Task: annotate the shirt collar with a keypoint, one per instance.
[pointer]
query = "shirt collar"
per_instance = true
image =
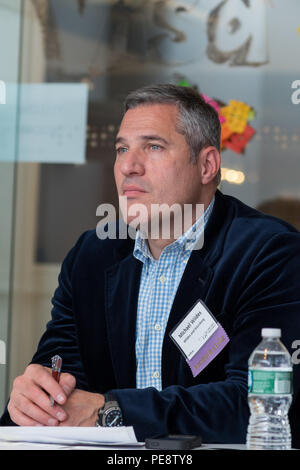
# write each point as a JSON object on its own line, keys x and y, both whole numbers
{"x": 186, "y": 241}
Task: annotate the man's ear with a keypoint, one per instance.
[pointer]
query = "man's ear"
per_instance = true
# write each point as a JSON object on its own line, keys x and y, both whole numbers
{"x": 209, "y": 162}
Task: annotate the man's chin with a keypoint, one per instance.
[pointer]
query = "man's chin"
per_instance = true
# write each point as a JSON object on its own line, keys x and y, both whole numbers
{"x": 138, "y": 224}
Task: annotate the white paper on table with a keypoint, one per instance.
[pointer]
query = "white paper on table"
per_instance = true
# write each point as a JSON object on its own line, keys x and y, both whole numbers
{"x": 77, "y": 435}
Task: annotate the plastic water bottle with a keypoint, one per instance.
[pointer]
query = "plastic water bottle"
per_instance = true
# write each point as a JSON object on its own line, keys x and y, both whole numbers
{"x": 269, "y": 393}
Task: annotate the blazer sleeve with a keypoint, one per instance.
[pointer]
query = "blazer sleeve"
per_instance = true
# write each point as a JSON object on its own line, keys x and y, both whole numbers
{"x": 60, "y": 335}
{"x": 269, "y": 296}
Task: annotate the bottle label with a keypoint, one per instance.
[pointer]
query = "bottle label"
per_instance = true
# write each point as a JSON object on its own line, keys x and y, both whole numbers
{"x": 271, "y": 382}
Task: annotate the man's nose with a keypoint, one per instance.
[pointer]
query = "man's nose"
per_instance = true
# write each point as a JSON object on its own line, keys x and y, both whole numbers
{"x": 132, "y": 163}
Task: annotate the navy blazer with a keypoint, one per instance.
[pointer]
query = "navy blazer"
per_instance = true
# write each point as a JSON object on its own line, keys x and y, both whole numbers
{"x": 248, "y": 275}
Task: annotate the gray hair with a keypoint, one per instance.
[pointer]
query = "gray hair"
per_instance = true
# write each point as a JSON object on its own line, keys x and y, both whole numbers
{"x": 197, "y": 120}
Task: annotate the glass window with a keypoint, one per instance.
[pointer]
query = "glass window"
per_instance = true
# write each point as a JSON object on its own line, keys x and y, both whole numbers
{"x": 241, "y": 55}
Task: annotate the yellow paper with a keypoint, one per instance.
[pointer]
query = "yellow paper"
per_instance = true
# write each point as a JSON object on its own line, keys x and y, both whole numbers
{"x": 236, "y": 114}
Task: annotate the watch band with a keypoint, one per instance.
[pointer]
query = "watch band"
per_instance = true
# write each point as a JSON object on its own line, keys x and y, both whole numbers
{"x": 109, "y": 397}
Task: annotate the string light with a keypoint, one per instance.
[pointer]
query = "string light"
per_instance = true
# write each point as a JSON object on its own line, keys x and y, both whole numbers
{"x": 232, "y": 176}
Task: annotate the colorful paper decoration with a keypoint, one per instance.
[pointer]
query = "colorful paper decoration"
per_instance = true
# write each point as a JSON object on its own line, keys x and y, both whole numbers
{"x": 225, "y": 133}
{"x": 251, "y": 115}
{"x": 184, "y": 83}
{"x": 215, "y": 105}
{"x": 236, "y": 114}
{"x": 234, "y": 118}
{"x": 238, "y": 142}
{"x": 235, "y": 130}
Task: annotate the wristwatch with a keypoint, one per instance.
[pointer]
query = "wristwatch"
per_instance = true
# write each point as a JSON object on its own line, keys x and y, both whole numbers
{"x": 110, "y": 414}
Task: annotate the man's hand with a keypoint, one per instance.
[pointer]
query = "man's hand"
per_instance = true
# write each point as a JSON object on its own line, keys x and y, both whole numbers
{"x": 29, "y": 403}
{"x": 82, "y": 408}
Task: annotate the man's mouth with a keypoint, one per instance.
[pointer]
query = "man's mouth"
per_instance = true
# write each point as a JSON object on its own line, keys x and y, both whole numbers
{"x": 132, "y": 191}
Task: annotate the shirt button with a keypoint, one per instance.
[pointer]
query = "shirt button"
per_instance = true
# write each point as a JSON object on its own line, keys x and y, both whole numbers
{"x": 155, "y": 375}
{"x": 157, "y": 327}
{"x": 162, "y": 279}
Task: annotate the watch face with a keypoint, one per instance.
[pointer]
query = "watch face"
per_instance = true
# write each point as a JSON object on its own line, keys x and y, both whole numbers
{"x": 113, "y": 417}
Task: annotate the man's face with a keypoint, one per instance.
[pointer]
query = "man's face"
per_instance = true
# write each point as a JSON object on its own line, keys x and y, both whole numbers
{"x": 153, "y": 163}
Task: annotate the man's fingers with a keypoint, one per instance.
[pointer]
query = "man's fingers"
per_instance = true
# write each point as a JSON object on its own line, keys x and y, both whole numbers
{"x": 37, "y": 414}
{"x": 58, "y": 390}
{"x": 20, "y": 418}
{"x": 28, "y": 414}
{"x": 34, "y": 394}
{"x": 42, "y": 378}
{"x": 67, "y": 382}
{"x": 30, "y": 397}
{"x": 23, "y": 410}
{"x": 39, "y": 411}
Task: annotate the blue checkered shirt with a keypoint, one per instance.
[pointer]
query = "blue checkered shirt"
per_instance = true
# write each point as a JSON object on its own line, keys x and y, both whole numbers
{"x": 158, "y": 285}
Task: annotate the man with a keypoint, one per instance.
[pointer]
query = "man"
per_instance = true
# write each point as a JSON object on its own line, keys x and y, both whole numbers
{"x": 118, "y": 300}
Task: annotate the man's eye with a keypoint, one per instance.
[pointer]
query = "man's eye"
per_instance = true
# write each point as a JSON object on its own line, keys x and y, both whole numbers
{"x": 155, "y": 147}
{"x": 121, "y": 150}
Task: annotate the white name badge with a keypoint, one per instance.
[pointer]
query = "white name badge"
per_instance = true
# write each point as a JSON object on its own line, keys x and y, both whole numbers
{"x": 194, "y": 330}
{"x": 199, "y": 337}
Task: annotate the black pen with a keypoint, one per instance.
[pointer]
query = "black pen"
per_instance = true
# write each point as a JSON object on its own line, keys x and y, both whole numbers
{"x": 56, "y": 369}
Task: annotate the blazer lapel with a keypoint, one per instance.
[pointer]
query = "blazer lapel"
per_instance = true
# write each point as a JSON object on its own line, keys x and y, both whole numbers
{"x": 193, "y": 286}
{"x": 195, "y": 281}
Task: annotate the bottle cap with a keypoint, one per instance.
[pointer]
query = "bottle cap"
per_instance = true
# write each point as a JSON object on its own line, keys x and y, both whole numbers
{"x": 271, "y": 332}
